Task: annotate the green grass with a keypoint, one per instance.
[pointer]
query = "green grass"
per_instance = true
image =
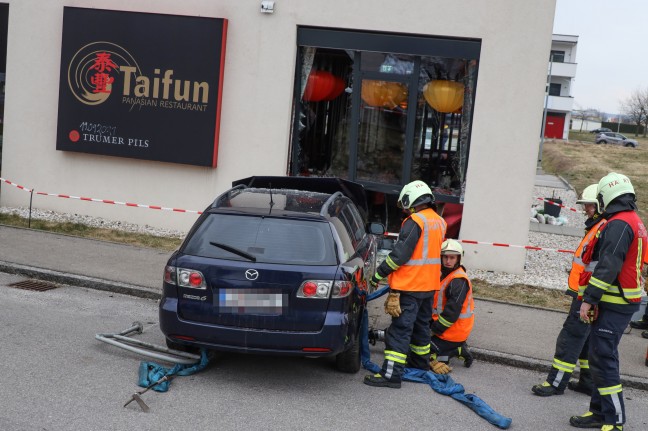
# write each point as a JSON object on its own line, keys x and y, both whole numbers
{"x": 84, "y": 231}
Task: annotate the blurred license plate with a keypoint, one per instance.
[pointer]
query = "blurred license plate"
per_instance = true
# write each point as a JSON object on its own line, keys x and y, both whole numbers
{"x": 251, "y": 301}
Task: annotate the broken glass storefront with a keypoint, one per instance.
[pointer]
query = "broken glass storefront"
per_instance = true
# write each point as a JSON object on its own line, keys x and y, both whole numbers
{"x": 384, "y": 110}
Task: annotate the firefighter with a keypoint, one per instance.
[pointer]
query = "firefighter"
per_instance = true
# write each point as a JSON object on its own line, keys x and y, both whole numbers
{"x": 572, "y": 343}
{"x": 414, "y": 271}
{"x": 453, "y": 308}
{"x": 611, "y": 297}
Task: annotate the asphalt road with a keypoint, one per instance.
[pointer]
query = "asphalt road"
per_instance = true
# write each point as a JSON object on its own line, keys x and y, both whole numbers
{"x": 56, "y": 376}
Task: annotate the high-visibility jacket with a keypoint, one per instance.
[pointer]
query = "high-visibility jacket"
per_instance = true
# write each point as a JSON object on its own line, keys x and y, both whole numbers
{"x": 459, "y": 331}
{"x": 422, "y": 273}
{"x": 629, "y": 277}
{"x": 578, "y": 267}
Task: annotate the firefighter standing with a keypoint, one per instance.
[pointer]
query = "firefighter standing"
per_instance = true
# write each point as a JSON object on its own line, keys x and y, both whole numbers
{"x": 453, "y": 313}
{"x": 611, "y": 297}
{"x": 572, "y": 343}
{"x": 414, "y": 270}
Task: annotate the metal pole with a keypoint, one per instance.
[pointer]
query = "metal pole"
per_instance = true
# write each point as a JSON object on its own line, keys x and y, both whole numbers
{"x": 31, "y": 197}
{"x": 544, "y": 113}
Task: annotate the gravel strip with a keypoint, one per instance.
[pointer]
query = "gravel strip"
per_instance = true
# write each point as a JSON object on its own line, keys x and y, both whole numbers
{"x": 547, "y": 269}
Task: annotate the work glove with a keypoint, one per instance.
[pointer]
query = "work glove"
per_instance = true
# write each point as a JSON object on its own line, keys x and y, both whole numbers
{"x": 439, "y": 367}
{"x": 392, "y": 304}
{"x": 375, "y": 279}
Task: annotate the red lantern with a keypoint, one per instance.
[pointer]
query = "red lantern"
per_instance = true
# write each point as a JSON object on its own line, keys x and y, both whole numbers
{"x": 319, "y": 85}
{"x": 338, "y": 88}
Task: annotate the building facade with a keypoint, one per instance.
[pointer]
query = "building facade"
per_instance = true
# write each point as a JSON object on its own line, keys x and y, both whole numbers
{"x": 562, "y": 71}
{"x": 167, "y": 103}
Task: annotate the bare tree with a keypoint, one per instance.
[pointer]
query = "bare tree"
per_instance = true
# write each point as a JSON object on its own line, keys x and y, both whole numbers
{"x": 589, "y": 114}
{"x": 636, "y": 108}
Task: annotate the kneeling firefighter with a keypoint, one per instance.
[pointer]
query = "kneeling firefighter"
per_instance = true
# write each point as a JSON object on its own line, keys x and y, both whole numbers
{"x": 453, "y": 315}
{"x": 414, "y": 270}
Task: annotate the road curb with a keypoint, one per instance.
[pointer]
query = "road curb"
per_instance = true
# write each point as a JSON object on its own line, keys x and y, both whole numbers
{"x": 534, "y": 364}
{"x": 79, "y": 280}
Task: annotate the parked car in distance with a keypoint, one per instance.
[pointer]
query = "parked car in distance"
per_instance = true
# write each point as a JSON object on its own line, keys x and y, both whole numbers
{"x": 615, "y": 138}
{"x": 600, "y": 130}
{"x": 275, "y": 265}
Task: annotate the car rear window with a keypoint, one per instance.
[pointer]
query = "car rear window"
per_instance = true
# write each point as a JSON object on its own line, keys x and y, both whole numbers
{"x": 270, "y": 240}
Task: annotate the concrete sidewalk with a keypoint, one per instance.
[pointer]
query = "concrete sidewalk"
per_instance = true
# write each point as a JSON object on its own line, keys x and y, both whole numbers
{"x": 514, "y": 335}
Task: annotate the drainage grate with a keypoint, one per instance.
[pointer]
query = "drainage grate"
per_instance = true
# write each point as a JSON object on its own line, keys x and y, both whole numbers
{"x": 35, "y": 285}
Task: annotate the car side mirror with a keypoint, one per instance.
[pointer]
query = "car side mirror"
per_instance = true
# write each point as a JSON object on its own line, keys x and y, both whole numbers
{"x": 375, "y": 228}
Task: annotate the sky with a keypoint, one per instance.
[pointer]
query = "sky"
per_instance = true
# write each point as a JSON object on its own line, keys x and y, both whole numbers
{"x": 611, "y": 54}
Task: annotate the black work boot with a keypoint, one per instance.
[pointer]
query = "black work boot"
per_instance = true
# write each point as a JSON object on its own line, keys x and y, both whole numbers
{"x": 584, "y": 384}
{"x": 644, "y": 334}
{"x": 587, "y": 420}
{"x": 546, "y": 390}
{"x": 380, "y": 382}
{"x": 639, "y": 324}
{"x": 466, "y": 356}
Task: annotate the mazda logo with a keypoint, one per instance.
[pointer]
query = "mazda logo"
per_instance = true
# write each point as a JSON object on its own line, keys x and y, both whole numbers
{"x": 251, "y": 274}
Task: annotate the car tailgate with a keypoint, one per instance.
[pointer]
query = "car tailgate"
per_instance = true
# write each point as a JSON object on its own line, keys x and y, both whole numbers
{"x": 253, "y": 295}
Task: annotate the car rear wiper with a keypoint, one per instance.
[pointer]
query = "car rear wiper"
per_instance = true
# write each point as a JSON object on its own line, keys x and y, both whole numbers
{"x": 241, "y": 253}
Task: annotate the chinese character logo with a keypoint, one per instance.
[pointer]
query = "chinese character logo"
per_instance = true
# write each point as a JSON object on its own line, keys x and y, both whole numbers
{"x": 95, "y": 69}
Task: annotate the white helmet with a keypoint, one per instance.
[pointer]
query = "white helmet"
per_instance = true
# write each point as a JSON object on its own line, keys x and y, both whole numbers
{"x": 415, "y": 193}
{"x": 589, "y": 197}
{"x": 612, "y": 186}
{"x": 452, "y": 246}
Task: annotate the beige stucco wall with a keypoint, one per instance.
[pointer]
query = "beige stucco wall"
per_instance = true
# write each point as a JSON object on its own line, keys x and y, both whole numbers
{"x": 257, "y": 104}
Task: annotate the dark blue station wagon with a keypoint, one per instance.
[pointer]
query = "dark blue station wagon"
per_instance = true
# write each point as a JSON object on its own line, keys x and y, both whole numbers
{"x": 276, "y": 265}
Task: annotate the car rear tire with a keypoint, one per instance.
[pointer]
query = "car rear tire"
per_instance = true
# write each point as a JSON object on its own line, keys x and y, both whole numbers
{"x": 629, "y": 145}
{"x": 602, "y": 142}
{"x": 349, "y": 360}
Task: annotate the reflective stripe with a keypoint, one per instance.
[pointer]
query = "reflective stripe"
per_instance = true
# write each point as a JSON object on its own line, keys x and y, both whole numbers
{"x": 578, "y": 261}
{"x": 389, "y": 370}
{"x": 391, "y": 355}
{"x": 610, "y": 390}
{"x": 420, "y": 350}
{"x": 443, "y": 358}
{"x": 444, "y": 322}
{"x": 584, "y": 364}
{"x": 617, "y": 407}
{"x": 559, "y": 376}
{"x": 599, "y": 283}
{"x": 590, "y": 266}
{"x": 564, "y": 366}
{"x": 427, "y": 226}
{"x": 391, "y": 263}
{"x": 469, "y": 311}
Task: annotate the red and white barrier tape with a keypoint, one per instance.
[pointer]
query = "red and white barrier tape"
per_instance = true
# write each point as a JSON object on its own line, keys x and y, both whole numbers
{"x": 498, "y": 244}
{"x": 576, "y": 210}
{"x": 157, "y": 207}
{"x": 105, "y": 201}
{"x": 16, "y": 185}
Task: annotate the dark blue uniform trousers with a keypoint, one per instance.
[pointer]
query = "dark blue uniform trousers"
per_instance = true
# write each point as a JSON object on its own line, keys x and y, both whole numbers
{"x": 607, "y": 397}
{"x": 411, "y": 327}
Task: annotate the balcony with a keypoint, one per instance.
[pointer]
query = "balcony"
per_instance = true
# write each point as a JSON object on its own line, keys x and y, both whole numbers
{"x": 563, "y": 69}
{"x": 560, "y": 103}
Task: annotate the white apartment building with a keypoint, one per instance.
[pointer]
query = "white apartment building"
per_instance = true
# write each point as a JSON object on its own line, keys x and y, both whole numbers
{"x": 562, "y": 71}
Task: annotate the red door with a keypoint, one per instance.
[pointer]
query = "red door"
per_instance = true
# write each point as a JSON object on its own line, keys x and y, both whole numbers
{"x": 555, "y": 126}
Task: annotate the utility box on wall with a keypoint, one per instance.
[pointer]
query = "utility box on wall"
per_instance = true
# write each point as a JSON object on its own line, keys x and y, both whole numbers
{"x": 129, "y": 87}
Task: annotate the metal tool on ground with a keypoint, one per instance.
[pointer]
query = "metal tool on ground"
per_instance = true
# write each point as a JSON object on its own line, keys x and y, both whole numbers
{"x": 137, "y": 396}
{"x": 162, "y": 353}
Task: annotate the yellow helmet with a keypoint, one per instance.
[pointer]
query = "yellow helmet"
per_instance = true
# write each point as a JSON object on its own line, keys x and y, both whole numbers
{"x": 612, "y": 186}
{"x": 452, "y": 246}
{"x": 415, "y": 193}
{"x": 589, "y": 197}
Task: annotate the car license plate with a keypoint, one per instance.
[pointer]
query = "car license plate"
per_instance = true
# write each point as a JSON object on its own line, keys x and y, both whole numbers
{"x": 251, "y": 301}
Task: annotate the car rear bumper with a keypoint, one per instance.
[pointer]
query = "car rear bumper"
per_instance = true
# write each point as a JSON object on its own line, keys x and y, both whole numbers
{"x": 332, "y": 338}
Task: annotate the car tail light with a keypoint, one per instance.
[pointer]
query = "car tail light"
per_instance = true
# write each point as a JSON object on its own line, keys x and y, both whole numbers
{"x": 184, "y": 277}
{"x": 315, "y": 289}
{"x": 170, "y": 274}
{"x": 342, "y": 289}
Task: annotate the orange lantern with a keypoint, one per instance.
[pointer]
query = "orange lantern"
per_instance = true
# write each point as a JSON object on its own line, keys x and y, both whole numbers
{"x": 319, "y": 85}
{"x": 444, "y": 96}
{"x": 383, "y": 94}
